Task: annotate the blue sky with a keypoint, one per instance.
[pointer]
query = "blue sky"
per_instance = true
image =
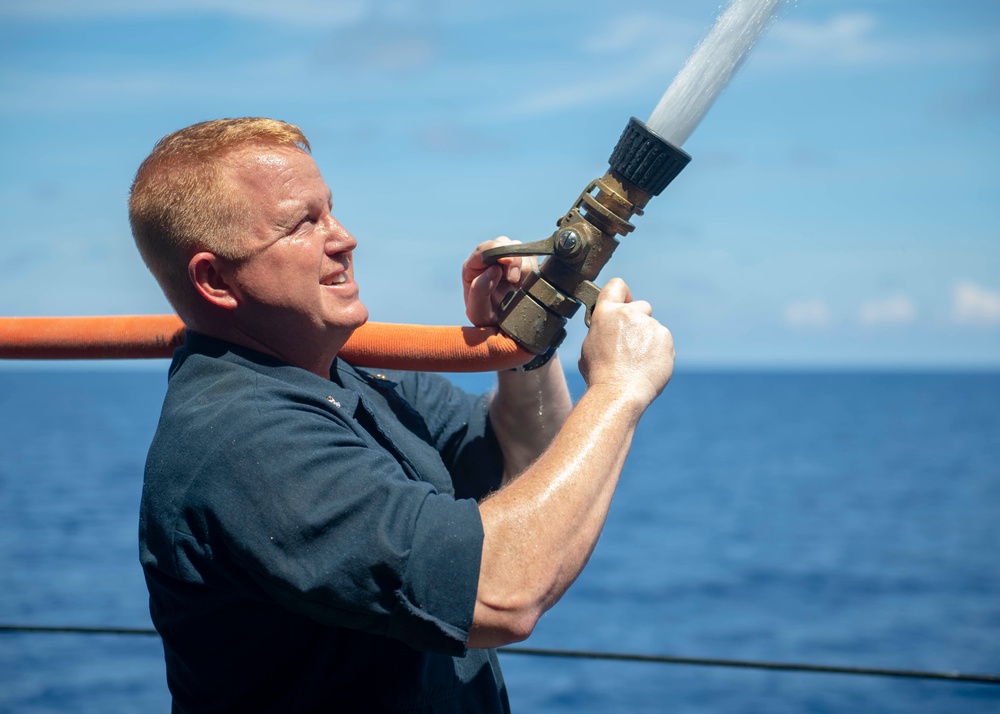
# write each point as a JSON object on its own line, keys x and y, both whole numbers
{"x": 841, "y": 208}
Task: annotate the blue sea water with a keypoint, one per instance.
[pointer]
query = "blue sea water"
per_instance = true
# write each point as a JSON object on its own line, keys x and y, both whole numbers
{"x": 845, "y": 519}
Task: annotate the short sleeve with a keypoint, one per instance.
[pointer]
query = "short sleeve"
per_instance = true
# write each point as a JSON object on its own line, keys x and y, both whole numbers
{"x": 460, "y": 427}
{"x": 292, "y": 494}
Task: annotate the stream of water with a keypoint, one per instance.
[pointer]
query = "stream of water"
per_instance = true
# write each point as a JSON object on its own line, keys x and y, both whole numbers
{"x": 709, "y": 69}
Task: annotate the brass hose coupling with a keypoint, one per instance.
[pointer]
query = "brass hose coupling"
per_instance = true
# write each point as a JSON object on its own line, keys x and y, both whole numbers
{"x": 534, "y": 316}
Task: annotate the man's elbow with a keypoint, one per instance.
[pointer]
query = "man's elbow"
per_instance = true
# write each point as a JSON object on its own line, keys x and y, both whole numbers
{"x": 498, "y": 626}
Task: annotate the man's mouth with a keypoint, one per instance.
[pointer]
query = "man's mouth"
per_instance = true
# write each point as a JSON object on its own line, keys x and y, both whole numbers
{"x": 338, "y": 277}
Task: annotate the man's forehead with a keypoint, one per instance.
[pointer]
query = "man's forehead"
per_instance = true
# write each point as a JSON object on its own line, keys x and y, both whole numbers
{"x": 257, "y": 157}
{"x": 270, "y": 166}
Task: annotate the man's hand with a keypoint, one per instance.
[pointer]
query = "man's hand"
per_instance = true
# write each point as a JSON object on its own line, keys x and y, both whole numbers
{"x": 486, "y": 285}
{"x": 626, "y": 347}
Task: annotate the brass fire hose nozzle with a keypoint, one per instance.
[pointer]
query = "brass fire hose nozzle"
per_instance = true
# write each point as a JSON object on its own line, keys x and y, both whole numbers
{"x": 534, "y": 316}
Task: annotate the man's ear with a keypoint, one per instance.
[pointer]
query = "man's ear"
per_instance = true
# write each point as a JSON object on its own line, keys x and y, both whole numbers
{"x": 211, "y": 280}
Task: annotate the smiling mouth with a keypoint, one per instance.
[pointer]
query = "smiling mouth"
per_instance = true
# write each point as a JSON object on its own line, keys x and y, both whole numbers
{"x": 338, "y": 279}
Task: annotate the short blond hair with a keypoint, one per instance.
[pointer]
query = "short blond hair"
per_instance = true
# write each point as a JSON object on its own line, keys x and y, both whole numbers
{"x": 181, "y": 201}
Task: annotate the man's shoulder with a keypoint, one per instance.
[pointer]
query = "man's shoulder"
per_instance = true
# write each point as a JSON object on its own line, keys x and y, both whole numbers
{"x": 414, "y": 386}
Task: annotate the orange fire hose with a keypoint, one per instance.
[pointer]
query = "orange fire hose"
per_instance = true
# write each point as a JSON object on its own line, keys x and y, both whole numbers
{"x": 376, "y": 344}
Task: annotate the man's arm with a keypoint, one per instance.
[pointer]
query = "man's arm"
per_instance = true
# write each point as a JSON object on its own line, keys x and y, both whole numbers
{"x": 542, "y": 526}
{"x": 526, "y": 412}
{"x": 528, "y": 408}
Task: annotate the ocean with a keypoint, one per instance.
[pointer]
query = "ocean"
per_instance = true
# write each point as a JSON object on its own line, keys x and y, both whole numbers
{"x": 845, "y": 519}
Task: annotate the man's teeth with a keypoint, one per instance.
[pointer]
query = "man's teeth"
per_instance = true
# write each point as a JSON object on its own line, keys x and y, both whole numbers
{"x": 340, "y": 279}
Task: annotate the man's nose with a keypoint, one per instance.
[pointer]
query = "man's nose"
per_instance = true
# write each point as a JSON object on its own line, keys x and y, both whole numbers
{"x": 338, "y": 238}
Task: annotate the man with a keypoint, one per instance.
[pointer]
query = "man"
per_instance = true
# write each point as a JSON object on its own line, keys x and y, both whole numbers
{"x": 319, "y": 538}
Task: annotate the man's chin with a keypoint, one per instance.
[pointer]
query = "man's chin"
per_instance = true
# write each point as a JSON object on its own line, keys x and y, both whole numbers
{"x": 355, "y": 318}
{"x": 363, "y": 317}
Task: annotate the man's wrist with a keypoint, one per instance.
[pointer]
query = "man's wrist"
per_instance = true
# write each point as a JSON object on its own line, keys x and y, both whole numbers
{"x": 536, "y": 361}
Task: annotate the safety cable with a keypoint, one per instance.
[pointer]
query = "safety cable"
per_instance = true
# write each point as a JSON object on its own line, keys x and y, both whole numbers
{"x": 612, "y": 656}
{"x": 753, "y": 664}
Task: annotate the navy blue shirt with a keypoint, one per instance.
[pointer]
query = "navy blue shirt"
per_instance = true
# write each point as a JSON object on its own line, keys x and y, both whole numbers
{"x": 313, "y": 544}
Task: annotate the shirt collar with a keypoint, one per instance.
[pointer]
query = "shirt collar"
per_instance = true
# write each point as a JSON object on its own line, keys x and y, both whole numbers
{"x": 336, "y": 390}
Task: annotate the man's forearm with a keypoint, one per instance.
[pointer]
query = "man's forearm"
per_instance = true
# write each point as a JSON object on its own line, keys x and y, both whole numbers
{"x": 541, "y": 528}
{"x": 527, "y": 411}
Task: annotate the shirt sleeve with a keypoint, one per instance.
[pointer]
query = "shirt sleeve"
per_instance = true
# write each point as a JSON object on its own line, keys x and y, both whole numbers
{"x": 296, "y": 498}
{"x": 460, "y": 426}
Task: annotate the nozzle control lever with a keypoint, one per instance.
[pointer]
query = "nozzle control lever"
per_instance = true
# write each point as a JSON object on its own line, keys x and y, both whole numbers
{"x": 567, "y": 243}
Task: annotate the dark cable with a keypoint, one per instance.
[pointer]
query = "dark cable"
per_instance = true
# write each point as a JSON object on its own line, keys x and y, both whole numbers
{"x": 58, "y": 630}
{"x": 751, "y": 664}
{"x": 614, "y": 656}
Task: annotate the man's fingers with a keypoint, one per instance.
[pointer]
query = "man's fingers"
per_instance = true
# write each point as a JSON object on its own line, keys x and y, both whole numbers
{"x": 642, "y": 306}
{"x": 482, "y": 282}
{"x": 478, "y": 305}
{"x": 514, "y": 272}
{"x": 486, "y": 282}
{"x": 615, "y": 291}
{"x": 474, "y": 264}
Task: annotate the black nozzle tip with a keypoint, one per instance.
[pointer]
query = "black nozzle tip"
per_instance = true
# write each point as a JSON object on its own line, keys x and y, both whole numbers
{"x": 647, "y": 159}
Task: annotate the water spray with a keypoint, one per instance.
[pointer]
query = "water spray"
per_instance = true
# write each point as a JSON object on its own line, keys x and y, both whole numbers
{"x": 645, "y": 160}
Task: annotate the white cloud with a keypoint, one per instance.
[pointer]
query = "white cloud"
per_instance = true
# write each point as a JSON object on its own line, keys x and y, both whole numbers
{"x": 552, "y": 99}
{"x": 811, "y": 313}
{"x": 636, "y": 51}
{"x": 893, "y": 310}
{"x": 34, "y": 91}
{"x": 846, "y": 37}
{"x": 856, "y": 39}
{"x": 625, "y": 32}
{"x": 975, "y": 305}
{"x": 635, "y": 67}
{"x": 631, "y": 52}
{"x": 292, "y": 12}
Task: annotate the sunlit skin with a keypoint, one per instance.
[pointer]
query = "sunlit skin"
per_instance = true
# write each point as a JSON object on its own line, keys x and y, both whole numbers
{"x": 293, "y": 296}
